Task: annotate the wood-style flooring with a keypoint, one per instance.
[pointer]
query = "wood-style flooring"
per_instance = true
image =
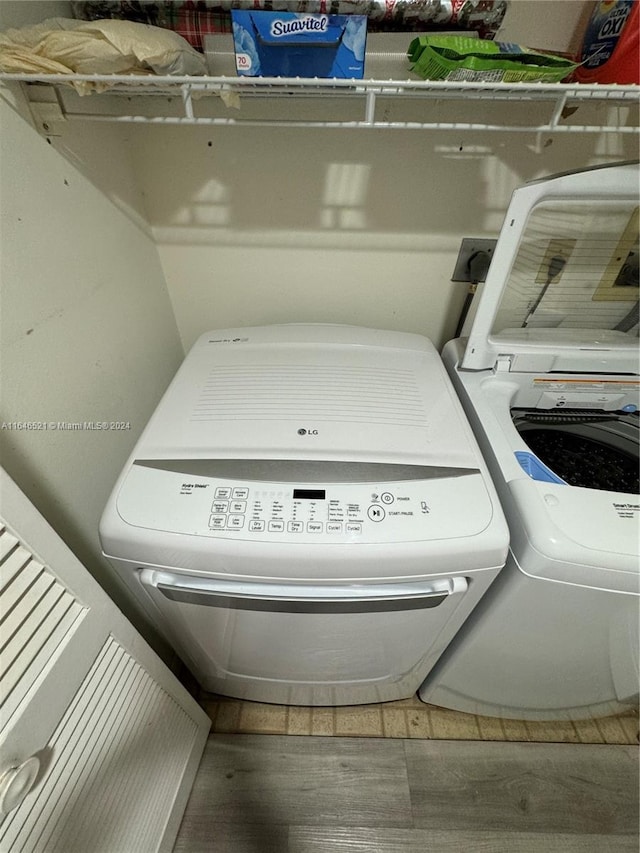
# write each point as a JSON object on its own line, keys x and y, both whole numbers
{"x": 283, "y": 794}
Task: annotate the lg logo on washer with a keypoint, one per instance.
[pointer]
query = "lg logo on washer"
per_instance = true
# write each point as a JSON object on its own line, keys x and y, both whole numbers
{"x": 303, "y": 431}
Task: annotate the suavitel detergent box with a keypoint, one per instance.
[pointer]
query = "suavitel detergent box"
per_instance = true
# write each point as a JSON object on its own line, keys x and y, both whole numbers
{"x": 287, "y": 44}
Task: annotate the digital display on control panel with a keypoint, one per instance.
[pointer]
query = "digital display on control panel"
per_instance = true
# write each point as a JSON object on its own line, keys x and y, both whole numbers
{"x": 309, "y": 494}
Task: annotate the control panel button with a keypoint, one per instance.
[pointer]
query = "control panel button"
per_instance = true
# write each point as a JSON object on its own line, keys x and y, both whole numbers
{"x": 295, "y": 527}
{"x": 387, "y": 498}
{"x": 220, "y": 506}
{"x": 276, "y": 525}
{"x": 235, "y": 522}
{"x": 238, "y": 506}
{"x": 354, "y": 527}
{"x": 217, "y": 522}
{"x": 256, "y": 525}
{"x": 376, "y": 513}
{"x": 314, "y": 527}
{"x": 223, "y": 492}
{"x": 334, "y": 527}
{"x": 240, "y": 494}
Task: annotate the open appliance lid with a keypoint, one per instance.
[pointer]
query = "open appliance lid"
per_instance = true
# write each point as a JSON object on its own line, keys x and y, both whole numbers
{"x": 562, "y": 290}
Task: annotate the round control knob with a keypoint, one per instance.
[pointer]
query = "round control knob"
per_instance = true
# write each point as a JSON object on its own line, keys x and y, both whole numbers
{"x": 16, "y": 782}
{"x": 386, "y": 498}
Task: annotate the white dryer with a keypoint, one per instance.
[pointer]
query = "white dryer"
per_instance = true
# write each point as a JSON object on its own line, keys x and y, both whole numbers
{"x": 549, "y": 379}
{"x": 307, "y": 516}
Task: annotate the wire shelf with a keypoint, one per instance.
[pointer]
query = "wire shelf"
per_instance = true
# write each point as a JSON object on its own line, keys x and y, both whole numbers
{"x": 189, "y": 100}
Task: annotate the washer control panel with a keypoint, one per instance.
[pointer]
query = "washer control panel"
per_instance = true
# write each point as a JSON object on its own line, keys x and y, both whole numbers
{"x": 409, "y": 510}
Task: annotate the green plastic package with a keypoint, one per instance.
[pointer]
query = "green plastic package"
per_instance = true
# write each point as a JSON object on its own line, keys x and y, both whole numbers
{"x": 480, "y": 60}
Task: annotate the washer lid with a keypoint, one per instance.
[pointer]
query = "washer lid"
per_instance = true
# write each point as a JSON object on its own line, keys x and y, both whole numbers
{"x": 562, "y": 290}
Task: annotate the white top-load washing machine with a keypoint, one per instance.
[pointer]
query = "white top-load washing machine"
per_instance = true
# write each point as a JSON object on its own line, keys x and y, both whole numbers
{"x": 549, "y": 380}
{"x": 307, "y": 516}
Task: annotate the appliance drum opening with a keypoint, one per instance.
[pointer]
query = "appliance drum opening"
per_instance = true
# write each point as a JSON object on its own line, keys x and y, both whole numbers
{"x": 591, "y": 450}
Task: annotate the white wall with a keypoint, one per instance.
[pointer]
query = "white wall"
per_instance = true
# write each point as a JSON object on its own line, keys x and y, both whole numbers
{"x": 87, "y": 335}
{"x": 262, "y": 225}
{"x": 22, "y": 13}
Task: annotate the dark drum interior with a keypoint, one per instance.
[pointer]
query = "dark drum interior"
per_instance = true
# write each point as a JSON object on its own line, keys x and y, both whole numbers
{"x": 592, "y": 450}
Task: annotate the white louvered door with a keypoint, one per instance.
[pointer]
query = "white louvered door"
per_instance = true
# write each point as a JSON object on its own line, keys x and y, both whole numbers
{"x": 99, "y": 743}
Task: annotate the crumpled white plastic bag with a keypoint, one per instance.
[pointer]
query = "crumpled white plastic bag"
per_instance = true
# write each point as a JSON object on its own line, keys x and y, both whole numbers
{"x": 68, "y": 46}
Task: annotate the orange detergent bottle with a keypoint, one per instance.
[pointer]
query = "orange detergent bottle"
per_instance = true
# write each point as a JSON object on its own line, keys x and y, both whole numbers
{"x": 611, "y": 44}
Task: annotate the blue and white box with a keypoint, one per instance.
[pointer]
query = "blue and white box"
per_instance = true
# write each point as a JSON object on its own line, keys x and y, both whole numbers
{"x": 288, "y": 44}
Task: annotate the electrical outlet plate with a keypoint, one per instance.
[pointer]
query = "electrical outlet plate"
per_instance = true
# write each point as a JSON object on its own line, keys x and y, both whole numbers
{"x": 468, "y": 247}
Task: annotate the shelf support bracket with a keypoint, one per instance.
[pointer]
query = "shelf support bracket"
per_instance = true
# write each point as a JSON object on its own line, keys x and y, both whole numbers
{"x": 370, "y": 108}
{"x": 48, "y": 117}
{"x": 187, "y": 101}
{"x": 558, "y": 111}
{"x": 46, "y": 107}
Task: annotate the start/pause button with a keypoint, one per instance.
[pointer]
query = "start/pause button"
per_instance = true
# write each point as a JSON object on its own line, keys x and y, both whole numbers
{"x": 376, "y": 513}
